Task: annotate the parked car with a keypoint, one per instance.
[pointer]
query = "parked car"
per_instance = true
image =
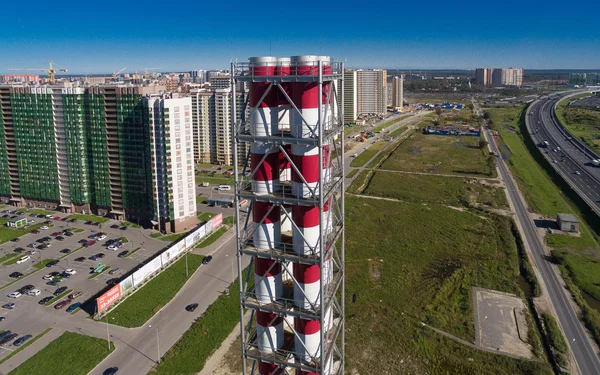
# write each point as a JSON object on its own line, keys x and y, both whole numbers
{"x": 68, "y": 234}
{"x": 15, "y": 275}
{"x": 113, "y": 271}
{"x": 52, "y": 263}
{"x": 82, "y": 241}
{"x": 73, "y": 307}
{"x": 47, "y": 277}
{"x": 21, "y": 340}
{"x": 75, "y": 295}
{"x": 112, "y": 281}
{"x": 8, "y": 338}
{"x": 55, "y": 234}
{"x": 34, "y": 292}
{"x": 16, "y": 239}
{"x": 65, "y": 251}
{"x": 23, "y": 259}
{"x": 60, "y": 238}
{"x": 62, "y": 304}
{"x": 191, "y": 307}
{"x": 9, "y": 306}
{"x": 57, "y": 218}
{"x": 100, "y": 255}
{"x": 35, "y": 231}
{"x": 93, "y": 258}
{"x": 123, "y": 253}
{"x": 26, "y": 288}
{"x": 80, "y": 259}
{"x": 110, "y": 371}
{"x": 2, "y": 318}
{"x": 4, "y": 334}
{"x": 18, "y": 250}
{"x": 44, "y": 227}
{"x": 207, "y": 259}
{"x": 89, "y": 243}
{"x": 70, "y": 271}
{"x": 114, "y": 226}
{"x": 100, "y": 236}
{"x": 59, "y": 291}
{"x": 15, "y": 295}
{"x": 45, "y": 300}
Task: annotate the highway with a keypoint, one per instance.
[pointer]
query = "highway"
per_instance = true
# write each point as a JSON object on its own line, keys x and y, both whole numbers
{"x": 585, "y": 356}
{"x": 566, "y": 155}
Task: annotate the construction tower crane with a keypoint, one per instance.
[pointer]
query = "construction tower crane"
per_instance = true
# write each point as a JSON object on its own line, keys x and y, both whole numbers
{"x": 118, "y": 74}
{"x": 50, "y": 71}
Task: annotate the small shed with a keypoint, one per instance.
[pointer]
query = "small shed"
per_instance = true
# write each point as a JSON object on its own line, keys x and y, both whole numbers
{"x": 16, "y": 222}
{"x": 567, "y": 222}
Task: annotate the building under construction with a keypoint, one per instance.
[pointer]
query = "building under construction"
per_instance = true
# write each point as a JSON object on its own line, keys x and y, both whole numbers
{"x": 293, "y": 228}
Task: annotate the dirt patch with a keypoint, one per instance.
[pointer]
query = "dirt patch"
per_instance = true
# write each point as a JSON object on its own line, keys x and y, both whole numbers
{"x": 500, "y": 324}
{"x": 375, "y": 270}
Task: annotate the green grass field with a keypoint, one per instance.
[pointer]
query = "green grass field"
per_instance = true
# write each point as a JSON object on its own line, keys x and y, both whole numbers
{"x": 93, "y": 218}
{"x": 583, "y": 123}
{"x": 71, "y": 353}
{"x": 421, "y": 269}
{"x": 190, "y": 353}
{"x": 352, "y": 173}
{"x": 143, "y": 304}
{"x": 205, "y": 216}
{"x": 7, "y": 234}
{"x": 212, "y": 237}
{"x": 442, "y": 155}
{"x": 366, "y": 155}
{"x": 172, "y": 237}
{"x": 434, "y": 189}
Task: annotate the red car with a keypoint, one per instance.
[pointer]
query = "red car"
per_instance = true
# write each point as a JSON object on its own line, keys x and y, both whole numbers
{"x": 35, "y": 231}
{"x": 89, "y": 243}
{"x": 62, "y": 304}
{"x": 55, "y": 234}
{"x": 57, "y": 218}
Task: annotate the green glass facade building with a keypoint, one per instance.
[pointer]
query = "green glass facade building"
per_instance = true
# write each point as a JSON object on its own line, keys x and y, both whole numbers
{"x": 77, "y": 150}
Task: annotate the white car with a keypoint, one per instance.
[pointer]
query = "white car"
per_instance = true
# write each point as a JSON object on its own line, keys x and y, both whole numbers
{"x": 47, "y": 277}
{"x": 100, "y": 238}
{"x": 70, "y": 271}
{"x": 15, "y": 295}
{"x": 23, "y": 259}
{"x": 43, "y": 227}
{"x": 34, "y": 292}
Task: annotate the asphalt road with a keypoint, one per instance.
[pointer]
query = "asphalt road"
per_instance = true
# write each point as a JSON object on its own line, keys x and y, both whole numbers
{"x": 585, "y": 356}
{"x": 568, "y": 158}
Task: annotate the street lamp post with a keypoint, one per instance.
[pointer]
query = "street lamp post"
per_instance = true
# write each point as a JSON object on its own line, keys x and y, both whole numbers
{"x": 107, "y": 333}
{"x": 157, "y": 344}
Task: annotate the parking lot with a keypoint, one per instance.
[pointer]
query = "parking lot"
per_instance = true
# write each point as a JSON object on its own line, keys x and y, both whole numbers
{"x": 28, "y": 316}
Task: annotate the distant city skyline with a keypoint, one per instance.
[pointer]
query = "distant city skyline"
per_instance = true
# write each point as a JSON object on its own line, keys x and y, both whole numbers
{"x": 182, "y": 36}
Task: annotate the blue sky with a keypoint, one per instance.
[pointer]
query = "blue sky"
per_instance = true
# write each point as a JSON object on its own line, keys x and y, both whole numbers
{"x": 177, "y": 35}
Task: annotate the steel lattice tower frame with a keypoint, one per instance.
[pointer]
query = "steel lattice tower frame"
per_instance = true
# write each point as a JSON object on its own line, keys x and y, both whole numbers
{"x": 276, "y": 339}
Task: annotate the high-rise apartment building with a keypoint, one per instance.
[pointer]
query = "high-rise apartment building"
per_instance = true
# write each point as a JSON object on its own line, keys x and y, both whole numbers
{"x": 499, "y": 76}
{"x": 350, "y": 96}
{"x": 371, "y": 91}
{"x": 174, "y": 187}
{"x": 211, "y": 119}
{"x": 79, "y": 150}
{"x": 398, "y": 91}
